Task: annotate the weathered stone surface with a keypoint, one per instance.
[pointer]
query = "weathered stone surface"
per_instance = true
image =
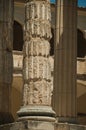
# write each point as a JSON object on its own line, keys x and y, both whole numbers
{"x": 37, "y": 88}
{"x": 65, "y": 60}
{"x": 17, "y": 61}
{"x": 6, "y": 63}
{"x": 38, "y": 10}
{"x": 37, "y": 67}
{"x": 6, "y": 13}
{"x": 37, "y": 92}
{"x": 6, "y": 38}
{"x": 5, "y": 55}
{"x": 29, "y": 125}
{"x": 38, "y": 28}
{"x": 36, "y": 51}
{"x": 39, "y": 125}
{"x": 37, "y": 21}
{"x": 37, "y": 47}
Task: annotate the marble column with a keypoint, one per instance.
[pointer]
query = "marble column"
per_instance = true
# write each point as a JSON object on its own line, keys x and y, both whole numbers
{"x": 6, "y": 66}
{"x": 65, "y": 60}
{"x": 37, "y": 90}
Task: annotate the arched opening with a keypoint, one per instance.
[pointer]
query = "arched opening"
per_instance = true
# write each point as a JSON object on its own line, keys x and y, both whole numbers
{"x": 81, "y": 76}
{"x": 81, "y": 44}
{"x": 17, "y": 36}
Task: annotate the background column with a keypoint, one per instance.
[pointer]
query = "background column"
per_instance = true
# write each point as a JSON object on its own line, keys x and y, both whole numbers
{"x": 6, "y": 65}
{"x": 65, "y": 60}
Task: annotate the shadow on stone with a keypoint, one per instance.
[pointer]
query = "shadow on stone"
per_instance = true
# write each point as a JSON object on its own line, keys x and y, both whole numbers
{"x": 6, "y": 118}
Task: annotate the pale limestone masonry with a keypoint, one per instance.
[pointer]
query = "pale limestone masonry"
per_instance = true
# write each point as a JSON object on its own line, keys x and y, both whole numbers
{"x": 37, "y": 88}
{"x": 33, "y": 125}
{"x": 17, "y": 60}
{"x": 36, "y": 50}
{"x": 81, "y": 65}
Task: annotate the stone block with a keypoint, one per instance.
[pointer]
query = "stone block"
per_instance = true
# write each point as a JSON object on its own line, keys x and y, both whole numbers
{"x": 29, "y": 125}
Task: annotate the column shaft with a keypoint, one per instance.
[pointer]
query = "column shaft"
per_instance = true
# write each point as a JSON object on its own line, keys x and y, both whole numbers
{"x": 65, "y": 60}
{"x": 6, "y": 38}
{"x": 37, "y": 90}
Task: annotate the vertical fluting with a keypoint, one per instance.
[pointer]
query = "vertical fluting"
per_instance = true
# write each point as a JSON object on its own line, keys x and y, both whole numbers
{"x": 6, "y": 63}
{"x": 65, "y": 59}
{"x": 37, "y": 90}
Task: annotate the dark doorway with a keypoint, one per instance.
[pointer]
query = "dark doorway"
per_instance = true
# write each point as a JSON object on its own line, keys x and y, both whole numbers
{"x": 81, "y": 44}
{"x": 17, "y": 36}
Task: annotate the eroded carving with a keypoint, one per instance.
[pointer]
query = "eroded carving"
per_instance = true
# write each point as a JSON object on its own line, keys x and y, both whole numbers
{"x": 37, "y": 67}
{"x": 37, "y": 70}
{"x": 38, "y": 10}
{"x": 37, "y": 92}
{"x": 37, "y": 47}
{"x": 38, "y": 28}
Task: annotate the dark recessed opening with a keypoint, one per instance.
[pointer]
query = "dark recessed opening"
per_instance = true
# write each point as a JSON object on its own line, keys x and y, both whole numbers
{"x": 52, "y": 43}
{"x": 81, "y": 44}
{"x": 17, "y": 36}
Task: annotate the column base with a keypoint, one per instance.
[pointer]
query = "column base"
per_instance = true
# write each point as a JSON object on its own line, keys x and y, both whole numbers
{"x": 37, "y": 117}
{"x": 31, "y": 112}
{"x": 40, "y": 125}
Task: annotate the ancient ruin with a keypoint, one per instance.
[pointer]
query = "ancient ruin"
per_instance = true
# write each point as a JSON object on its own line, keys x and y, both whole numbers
{"x": 43, "y": 87}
